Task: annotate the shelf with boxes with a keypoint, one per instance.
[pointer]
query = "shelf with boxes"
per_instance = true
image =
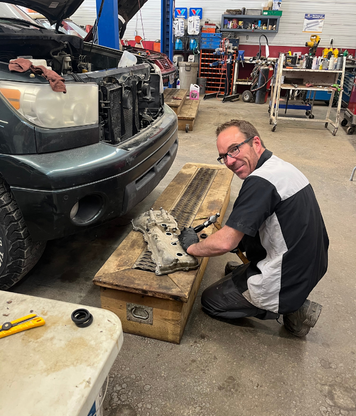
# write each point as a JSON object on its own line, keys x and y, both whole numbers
{"x": 210, "y": 40}
{"x": 250, "y": 23}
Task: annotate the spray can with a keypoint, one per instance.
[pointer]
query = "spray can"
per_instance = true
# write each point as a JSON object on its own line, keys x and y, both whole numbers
{"x": 339, "y": 63}
{"x": 178, "y": 84}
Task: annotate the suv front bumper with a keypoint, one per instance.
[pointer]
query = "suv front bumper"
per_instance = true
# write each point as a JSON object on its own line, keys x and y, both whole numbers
{"x": 106, "y": 181}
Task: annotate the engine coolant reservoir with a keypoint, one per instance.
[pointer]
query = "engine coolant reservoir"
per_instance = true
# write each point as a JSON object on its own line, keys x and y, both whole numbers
{"x": 127, "y": 59}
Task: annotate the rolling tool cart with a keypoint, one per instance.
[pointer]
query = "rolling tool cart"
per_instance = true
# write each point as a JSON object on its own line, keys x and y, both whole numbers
{"x": 350, "y": 112}
{"x": 299, "y": 99}
{"x": 300, "y": 79}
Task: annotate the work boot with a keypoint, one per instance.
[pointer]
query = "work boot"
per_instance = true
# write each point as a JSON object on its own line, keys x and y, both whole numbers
{"x": 230, "y": 266}
{"x": 300, "y": 321}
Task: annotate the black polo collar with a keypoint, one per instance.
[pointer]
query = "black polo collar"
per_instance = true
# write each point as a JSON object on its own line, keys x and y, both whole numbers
{"x": 265, "y": 156}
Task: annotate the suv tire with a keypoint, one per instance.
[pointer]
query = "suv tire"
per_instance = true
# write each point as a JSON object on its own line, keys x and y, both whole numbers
{"x": 18, "y": 253}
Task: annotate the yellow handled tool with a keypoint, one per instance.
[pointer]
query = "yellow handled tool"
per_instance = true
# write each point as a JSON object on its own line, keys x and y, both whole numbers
{"x": 21, "y": 324}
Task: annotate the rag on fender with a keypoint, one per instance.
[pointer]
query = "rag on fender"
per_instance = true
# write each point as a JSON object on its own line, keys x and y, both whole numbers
{"x": 22, "y": 65}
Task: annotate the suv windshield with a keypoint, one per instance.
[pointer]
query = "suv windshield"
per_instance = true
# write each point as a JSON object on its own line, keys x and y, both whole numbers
{"x": 9, "y": 11}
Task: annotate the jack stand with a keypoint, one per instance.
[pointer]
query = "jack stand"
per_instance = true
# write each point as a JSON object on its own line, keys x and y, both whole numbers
{"x": 233, "y": 97}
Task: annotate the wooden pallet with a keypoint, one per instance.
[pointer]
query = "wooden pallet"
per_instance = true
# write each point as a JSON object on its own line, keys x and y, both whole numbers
{"x": 175, "y": 98}
{"x": 161, "y": 304}
{"x": 187, "y": 115}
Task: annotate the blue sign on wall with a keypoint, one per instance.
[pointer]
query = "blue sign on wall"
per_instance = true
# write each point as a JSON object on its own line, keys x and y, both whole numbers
{"x": 196, "y": 11}
{"x": 180, "y": 12}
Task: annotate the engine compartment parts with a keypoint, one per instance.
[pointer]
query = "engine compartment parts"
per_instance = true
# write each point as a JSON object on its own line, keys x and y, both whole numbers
{"x": 160, "y": 231}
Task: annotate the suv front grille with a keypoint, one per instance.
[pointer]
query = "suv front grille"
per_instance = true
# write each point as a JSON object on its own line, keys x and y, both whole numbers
{"x": 112, "y": 112}
{"x": 119, "y": 112}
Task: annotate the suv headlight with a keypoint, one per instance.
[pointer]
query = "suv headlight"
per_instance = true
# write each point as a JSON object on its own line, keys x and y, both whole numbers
{"x": 44, "y": 107}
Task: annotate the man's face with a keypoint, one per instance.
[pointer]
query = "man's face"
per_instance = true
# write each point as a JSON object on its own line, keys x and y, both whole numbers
{"x": 246, "y": 161}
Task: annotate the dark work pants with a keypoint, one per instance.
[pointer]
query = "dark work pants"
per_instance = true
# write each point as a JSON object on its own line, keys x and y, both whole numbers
{"x": 223, "y": 300}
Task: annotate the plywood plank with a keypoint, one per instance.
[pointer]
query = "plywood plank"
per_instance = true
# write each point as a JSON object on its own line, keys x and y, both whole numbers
{"x": 189, "y": 110}
{"x": 176, "y": 188}
{"x": 142, "y": 282}
{"x": 175, "y": 98}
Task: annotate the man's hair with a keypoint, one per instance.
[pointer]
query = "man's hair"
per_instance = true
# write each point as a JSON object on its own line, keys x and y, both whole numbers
{"x": 244, "y": 126}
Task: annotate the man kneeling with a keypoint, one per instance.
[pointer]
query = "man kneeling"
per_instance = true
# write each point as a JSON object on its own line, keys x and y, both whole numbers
{"x": 276, "y": 221}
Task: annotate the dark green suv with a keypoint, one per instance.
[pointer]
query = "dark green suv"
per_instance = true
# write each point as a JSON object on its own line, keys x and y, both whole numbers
{"x": 71, "y": 160}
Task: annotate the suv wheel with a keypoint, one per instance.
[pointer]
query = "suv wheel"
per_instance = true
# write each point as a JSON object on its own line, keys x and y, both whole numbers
{"x": 18, "y": 253}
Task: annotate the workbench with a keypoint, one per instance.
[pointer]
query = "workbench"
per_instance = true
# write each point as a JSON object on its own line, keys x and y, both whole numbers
{"x": 57, "y": 369}
{"x": 306, "y": 80}
{"x": 159, "y": 306}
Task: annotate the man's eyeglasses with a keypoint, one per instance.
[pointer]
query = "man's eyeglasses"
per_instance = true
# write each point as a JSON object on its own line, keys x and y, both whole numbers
{"x": 233, "y": 152}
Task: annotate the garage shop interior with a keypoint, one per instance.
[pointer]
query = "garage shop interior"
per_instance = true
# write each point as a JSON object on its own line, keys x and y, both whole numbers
{"x": 138, "y": 142}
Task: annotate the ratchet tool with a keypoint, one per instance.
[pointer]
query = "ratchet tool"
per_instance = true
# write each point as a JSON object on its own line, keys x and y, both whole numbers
{"x": 209, "y": 221}
{"x": 21, "y": 324}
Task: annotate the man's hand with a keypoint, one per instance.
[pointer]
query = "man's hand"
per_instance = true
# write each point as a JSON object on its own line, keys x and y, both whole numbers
{"x": 188, "y": 237}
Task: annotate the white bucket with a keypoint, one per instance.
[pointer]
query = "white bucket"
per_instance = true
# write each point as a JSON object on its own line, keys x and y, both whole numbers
{"x": 188, "y": 73}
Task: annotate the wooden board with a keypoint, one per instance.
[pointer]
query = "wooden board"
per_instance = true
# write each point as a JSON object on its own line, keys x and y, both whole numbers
{"x": 168, "y": 299}
{"x": 175, "y": 98}
{"x": 188, "y": 114}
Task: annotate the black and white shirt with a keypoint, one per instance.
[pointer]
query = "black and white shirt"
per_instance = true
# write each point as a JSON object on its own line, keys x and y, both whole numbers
{"x": 285, "y": 237}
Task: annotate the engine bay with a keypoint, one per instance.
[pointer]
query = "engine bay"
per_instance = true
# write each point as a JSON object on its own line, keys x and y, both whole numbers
{"x": 130, "y": 99}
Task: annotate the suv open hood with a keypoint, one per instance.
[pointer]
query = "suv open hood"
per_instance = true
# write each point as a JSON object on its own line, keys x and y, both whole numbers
{"x": 57, "y": 10}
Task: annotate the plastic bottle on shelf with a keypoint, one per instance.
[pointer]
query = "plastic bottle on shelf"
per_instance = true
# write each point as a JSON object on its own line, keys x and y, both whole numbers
{"x": 315, "y": 64}
{"x": 325, "y": 63}
{"x": 178, "y": 44}
{"x": 331, "y": 62}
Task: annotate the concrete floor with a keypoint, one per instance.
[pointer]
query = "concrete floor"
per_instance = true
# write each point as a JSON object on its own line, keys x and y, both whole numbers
{"x": 253, "y": 368}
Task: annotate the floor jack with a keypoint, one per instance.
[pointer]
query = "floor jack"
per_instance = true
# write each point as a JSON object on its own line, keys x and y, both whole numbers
{"x": 227, "y": 64}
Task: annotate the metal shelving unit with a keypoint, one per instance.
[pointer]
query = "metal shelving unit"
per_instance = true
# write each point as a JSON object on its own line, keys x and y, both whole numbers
{"x": 248, "y": 20}
{"x": 311, "y": 80}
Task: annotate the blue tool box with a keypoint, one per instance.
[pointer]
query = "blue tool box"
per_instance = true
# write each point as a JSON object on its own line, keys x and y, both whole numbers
{"x": 210, "y": 40}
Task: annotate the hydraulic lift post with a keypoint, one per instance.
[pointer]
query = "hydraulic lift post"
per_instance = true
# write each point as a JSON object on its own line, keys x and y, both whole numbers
{"x": 108, "y": 26}
{"x": 167, "y": 12}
